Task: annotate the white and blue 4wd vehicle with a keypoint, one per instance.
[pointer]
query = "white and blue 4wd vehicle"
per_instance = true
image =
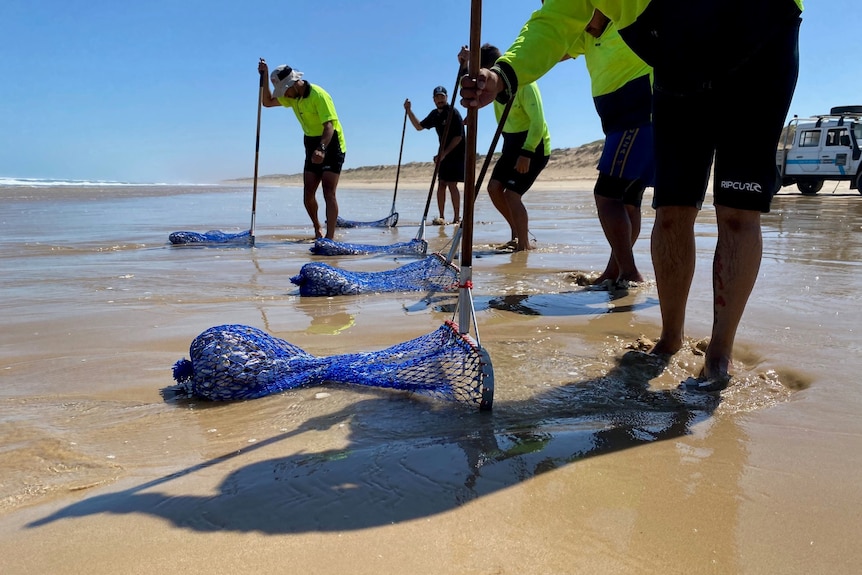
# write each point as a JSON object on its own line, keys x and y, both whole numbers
{"x": 822, "y": 148}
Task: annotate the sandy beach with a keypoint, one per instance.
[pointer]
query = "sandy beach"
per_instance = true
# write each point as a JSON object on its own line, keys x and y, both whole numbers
{"x": 587, "y": 464}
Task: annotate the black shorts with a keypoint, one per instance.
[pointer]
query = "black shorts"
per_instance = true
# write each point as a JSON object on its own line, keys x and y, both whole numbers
{"x": 452, "y": 168}
{"x": 736, "y": 120}
{"x": 332, "y": 160}
{"x": 504, "y": 170}
{"x": 631, "y": 192}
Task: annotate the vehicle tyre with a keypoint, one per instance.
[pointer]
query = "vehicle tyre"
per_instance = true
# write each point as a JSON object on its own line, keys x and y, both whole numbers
{"x": 809, "y": 187}
{"x": 859, "y": 182}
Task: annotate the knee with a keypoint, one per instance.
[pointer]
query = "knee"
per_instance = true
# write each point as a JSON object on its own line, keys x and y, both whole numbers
{"x": 670, "y": 217}
{"x": 736, "y": 220}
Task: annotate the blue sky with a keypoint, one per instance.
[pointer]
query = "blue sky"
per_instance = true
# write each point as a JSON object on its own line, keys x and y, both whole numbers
{"x": 166, "y": 90}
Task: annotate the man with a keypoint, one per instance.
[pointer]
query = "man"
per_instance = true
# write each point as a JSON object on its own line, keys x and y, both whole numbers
{"x": 714, "y": 61}
{"x": 452, "y": 154}
{"x": 325, "y": 146}
{"x": 622, "y": 92}
{"x": 526, "y": 151}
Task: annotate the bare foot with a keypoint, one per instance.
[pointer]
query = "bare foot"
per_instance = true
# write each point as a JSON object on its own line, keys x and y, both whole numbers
{"x": 714, "y": 376}
{"x": 716, "y": 368}
{"x": 648, "y": 364}
{"x": 581, "y": 278}
{"x": 635, "y": 277}
{"x": 522, "y": 246}
{"x": 708, "y": 383}
{"x": 622, "y": 279}
{"x": 318, "y": 232}
{"x": 665, "y": 348}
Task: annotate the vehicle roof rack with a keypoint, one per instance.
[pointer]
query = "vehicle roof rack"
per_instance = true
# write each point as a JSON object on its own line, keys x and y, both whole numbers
{"x": 846, "y": 111}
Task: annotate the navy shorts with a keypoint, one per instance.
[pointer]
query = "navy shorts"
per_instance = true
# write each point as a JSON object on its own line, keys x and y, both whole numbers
{"x": 628, "y": 155}
{"x": 504, "y": 170}
{"x": 736, "y": 120}
{"x": 332, "y": 160}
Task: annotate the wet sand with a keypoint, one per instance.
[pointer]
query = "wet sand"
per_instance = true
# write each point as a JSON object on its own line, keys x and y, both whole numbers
{"x": 590, "y": 462}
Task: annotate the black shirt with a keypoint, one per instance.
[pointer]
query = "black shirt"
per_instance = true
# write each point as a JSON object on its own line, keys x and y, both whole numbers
{"x": 437, "y": 118}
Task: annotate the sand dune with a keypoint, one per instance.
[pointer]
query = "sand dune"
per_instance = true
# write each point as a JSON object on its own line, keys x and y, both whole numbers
{"x": 565, "y": 165}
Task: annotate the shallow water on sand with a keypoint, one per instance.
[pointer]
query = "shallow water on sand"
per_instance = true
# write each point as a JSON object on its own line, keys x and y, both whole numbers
{"x": 97, "y": 306}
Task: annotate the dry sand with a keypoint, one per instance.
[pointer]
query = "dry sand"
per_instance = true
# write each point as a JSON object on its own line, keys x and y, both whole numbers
{"x": 571, "y": 168}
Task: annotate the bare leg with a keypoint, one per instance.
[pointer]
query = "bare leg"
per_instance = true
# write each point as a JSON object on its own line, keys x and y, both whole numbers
{"x": 673, "y": 257}
{"x": 634, "y": 213}
{"x": 734, "y": 272}
{"x": 330, "y": 183}
{"x": 621, "y": 233}
{"x": 309, "y": 191}
{"x": 441, "y": 198}
{"x": 498, "y": 197}
{"x": 456, "y": 200}
{"x": 520, "y": 220}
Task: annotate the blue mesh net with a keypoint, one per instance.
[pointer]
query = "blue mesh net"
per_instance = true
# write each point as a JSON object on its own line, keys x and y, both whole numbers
{"x": 210, "y": 237}
{"x": 232, "y": 362}
{"x": 327, "y": 247}
{"x": 389, "y": 221}
{"x": 432, "y": 273}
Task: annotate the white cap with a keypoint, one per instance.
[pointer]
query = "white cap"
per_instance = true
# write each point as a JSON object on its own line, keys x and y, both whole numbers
{"x": 283, "y": 78}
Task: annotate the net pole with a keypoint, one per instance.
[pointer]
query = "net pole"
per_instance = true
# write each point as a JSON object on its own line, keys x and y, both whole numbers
{"x": 465, "y": 298}
{"x": 493, "y": 146}
{"x": 398, "y": 170}
{"x": 256, "y": 157}
{"x": 483, "y": 171}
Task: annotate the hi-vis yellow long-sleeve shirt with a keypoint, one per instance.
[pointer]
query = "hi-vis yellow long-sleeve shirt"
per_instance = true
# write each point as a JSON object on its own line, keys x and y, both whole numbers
{"x": 527, "y": 115}
{"x": 682, "y": 39}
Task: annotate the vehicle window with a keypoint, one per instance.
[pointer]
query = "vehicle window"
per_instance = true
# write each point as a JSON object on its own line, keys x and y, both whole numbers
{"x": 837, "y": 137}
{"x": 809, "y": 138}
{"x": 857, "y": 131}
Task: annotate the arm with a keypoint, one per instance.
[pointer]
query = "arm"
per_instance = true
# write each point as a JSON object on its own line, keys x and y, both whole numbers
{"x": 529, "y": 51}
{"x": 543, "y": 41}
{"x": 413, "y": 119}
{"x": 266, "y": 97}
{"x": 328, "y": 133}
{"x": 453, "y": 143}
{"x": 545, "y": 38}
{"x": 577, "y": 48}
{"x": 456, "y": 123}
{"x": 531, "y": 102}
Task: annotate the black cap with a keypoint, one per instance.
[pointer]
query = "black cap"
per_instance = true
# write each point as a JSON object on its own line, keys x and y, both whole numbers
{"x": 440, "y": 90}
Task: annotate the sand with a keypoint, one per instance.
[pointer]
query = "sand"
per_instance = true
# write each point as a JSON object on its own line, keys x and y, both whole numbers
{"x": 587, "y": 464}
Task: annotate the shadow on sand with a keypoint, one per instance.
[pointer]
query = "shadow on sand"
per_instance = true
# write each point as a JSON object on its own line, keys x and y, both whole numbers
{"x": 445, "y": 458}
